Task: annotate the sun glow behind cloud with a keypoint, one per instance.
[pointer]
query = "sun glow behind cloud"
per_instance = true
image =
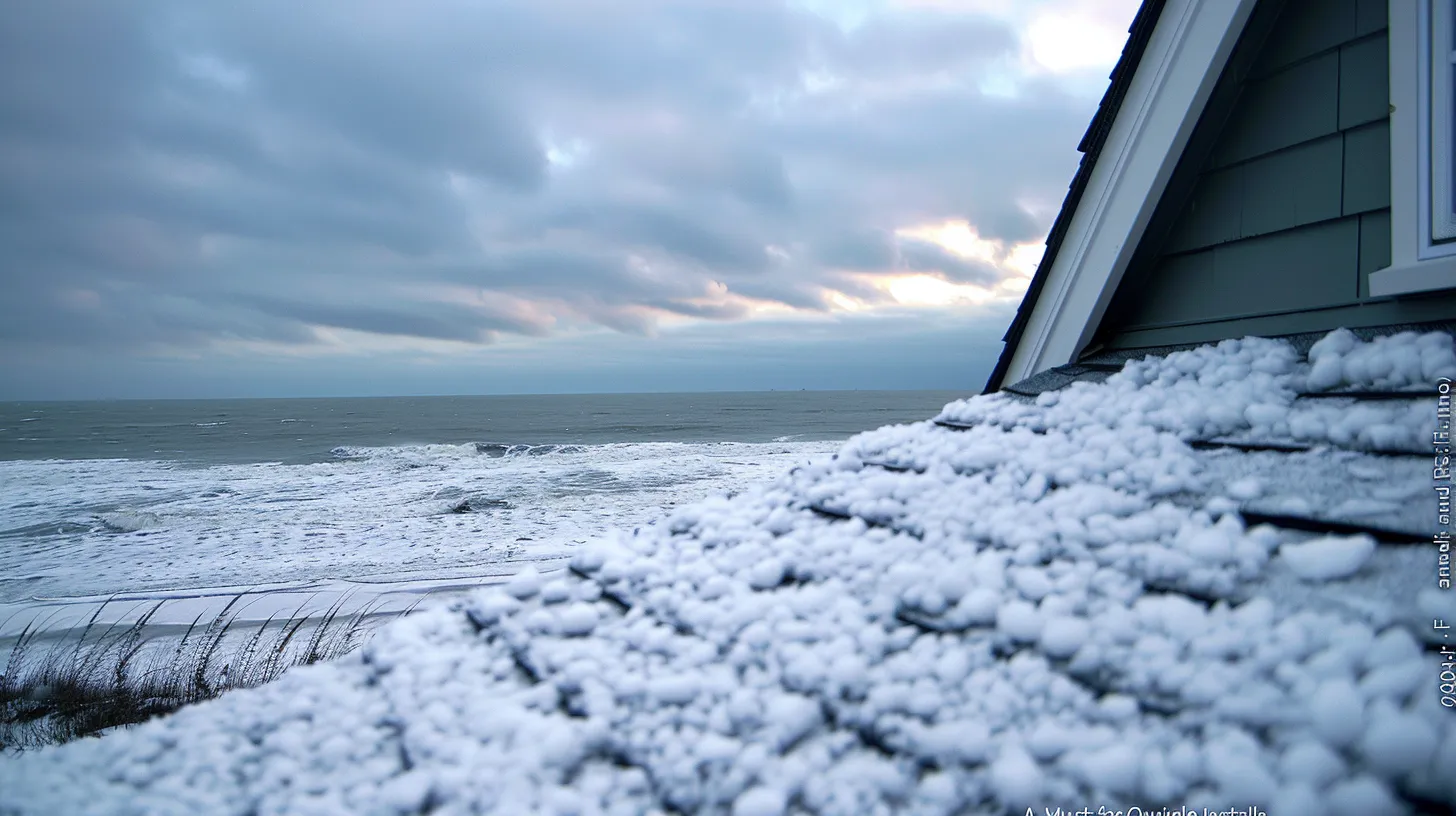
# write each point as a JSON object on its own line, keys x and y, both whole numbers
{"x": 1015, "y": 262}
{"x": 1075, "y": 39}
{"x": 958, "y": 237}
{"x": 1063, "y": 43}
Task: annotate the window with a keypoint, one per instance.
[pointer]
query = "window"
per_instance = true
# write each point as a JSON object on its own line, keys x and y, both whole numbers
{"x": 1422, "y": 41}
{"x": 1438, "y": 115}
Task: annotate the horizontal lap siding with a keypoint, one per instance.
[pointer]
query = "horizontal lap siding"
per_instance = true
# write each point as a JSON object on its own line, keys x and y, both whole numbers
{"x": 1270, "y": 273}
{"x": 1288, "y": 209}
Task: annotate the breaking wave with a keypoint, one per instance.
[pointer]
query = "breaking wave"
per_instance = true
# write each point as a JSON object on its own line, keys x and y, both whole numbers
{"x": 493, "y": 450}
{"x": 497, "y": 451}
{"x": 129, "y": 521}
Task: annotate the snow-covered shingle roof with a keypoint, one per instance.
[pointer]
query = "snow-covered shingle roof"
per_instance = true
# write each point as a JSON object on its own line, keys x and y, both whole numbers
{"x": 1048, "y": 602}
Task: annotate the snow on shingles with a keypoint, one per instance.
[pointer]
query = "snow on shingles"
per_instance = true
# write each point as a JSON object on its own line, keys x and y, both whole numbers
{"x": 1405, "y": 361}
{"x": 1021, "y": 619}
{"x": 1390, "y": 492}
{"x": 1328, "y": 557}
{"x": 1391, "y": 588}
{"x": 1246, "y": 389}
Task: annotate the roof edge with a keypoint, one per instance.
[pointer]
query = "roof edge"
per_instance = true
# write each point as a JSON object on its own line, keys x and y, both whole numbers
{"x": 1139, "y": 33}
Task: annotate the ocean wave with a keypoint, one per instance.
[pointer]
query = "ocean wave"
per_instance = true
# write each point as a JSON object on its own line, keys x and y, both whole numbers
{"x": 588, "y": 481}
{"x": 366, "y": 510}
{"x": 496, "y": 450}
{"x": 455, "y": 500}
{"x": 45, "y": 528}
{"x": 492, "y": 450}
{"x": 129, "y": 521}
{"x": 404, "y": 453}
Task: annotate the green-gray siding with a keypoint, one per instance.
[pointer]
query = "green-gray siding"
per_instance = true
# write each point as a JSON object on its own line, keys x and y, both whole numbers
{"x": 1280, "y": 207}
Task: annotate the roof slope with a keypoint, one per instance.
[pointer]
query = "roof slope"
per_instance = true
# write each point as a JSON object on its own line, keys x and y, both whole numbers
{"x": 1090, "y": 147}
{"x": 1023, "y": 603}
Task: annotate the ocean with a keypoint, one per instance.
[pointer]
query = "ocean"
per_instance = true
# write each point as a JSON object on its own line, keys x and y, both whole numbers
{"x": 165, "y": 497}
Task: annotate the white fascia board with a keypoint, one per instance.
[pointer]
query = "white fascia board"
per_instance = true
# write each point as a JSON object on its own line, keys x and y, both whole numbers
{"x": 1180, "y": 66}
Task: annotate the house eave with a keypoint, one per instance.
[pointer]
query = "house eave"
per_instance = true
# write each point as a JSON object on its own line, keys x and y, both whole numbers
{"x": 1175, "y": 54}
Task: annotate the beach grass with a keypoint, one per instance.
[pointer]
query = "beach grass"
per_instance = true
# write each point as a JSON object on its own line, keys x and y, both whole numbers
{"x": 55, "y": 690}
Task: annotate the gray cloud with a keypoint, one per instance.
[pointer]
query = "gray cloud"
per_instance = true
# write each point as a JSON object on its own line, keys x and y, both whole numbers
{"x": 924, "y": 256}
{"x": 860, "y": 250}
{"x": 177, "y": 174}
{"x": 432, "y": 321}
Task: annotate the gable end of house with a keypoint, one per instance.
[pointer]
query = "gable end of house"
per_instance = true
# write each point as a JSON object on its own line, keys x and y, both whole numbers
{"x": 1276, "y": 217}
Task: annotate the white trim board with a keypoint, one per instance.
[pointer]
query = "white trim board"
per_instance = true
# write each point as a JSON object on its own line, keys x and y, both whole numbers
{"x": 1184, "y": 57}
{"x": 1404, "y": 137}
{"x": 1421, "y": 276}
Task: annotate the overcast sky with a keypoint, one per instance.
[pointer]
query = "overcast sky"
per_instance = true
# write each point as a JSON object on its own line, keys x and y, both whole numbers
{"x": 336, "y": 197}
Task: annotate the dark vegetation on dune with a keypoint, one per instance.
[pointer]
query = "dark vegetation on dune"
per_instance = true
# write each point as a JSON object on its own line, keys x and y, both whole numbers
{"x": 109, "y": 676}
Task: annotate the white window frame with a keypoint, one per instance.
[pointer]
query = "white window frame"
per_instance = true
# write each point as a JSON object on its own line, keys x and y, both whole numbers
{"x": 1436, "y": 113}
{"x": 1422, "y": 109}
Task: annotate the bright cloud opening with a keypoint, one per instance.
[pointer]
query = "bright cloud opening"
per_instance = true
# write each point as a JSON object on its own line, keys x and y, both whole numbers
{"x": 1024, "y": 258}
{"x": 1063, "y": 43}
{"x": 962, "y": 239}
{"x": 958, "y": 237}
{"x": 928, "y": 290}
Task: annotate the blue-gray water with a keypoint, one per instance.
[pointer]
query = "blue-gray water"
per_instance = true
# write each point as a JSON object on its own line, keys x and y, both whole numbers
{"x": 300, "y": 431}
{"x": 103, "y": 497}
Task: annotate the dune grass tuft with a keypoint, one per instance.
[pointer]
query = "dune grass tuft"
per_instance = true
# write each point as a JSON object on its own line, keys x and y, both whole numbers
{"x": 114, "y": 675}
